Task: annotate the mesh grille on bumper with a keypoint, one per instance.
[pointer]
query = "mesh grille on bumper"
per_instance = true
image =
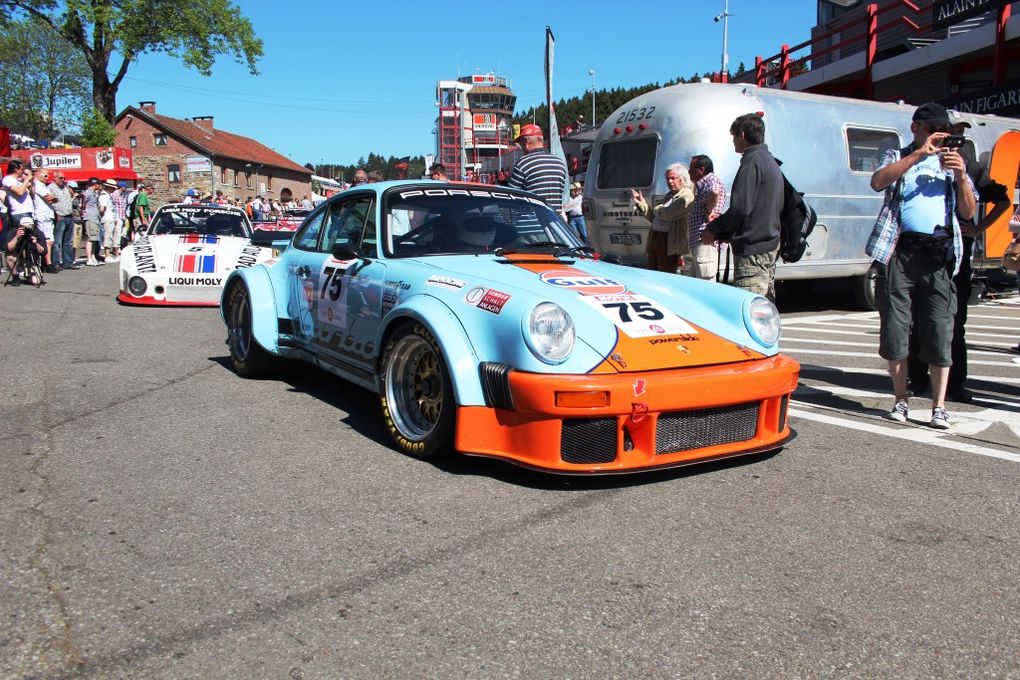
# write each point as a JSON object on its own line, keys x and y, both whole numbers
{"x": 588, "y": 440}
{"x": 686, "y": 430}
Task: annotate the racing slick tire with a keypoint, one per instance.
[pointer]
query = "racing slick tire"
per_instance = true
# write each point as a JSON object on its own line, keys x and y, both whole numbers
{"x": 417, "y": 396}
{"x": 246, "y": 355}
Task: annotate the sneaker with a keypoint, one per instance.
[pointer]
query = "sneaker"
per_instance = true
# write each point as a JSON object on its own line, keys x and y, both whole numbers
{"x": 939, "y": 418}
{"x": 1015, "y": 350}
{"x": 113, "y": 258}
{"x": 91, "y": 263}
{"x": 899, "y": 412}
{"x": 51, "y": 269}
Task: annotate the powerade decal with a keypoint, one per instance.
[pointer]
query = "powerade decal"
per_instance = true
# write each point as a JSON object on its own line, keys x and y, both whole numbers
{"x": 249, "y": 256}
{"x": 196, "y": 254}
{"x": 488, "y": 299}
{"x": 638, "y": 316}
{"x": 145, "y": 259}
{"x": 445, "y": 282}
{"x": 580, "y": 282}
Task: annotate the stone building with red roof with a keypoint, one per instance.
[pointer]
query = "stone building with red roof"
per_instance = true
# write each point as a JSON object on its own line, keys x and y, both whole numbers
{"x": 174, "y": 155}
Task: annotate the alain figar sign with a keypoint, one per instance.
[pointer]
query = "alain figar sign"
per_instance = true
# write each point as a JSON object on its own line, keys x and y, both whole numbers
{"x": 947, "y": 12}
{"x": 999, "y": 101}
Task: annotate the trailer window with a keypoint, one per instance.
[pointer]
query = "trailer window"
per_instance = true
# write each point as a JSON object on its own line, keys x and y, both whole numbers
{"x": 867, "y": 147}
{"x": 628, "y": 163}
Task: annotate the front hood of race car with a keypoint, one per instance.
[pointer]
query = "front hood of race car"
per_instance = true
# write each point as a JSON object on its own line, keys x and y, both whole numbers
{"x": 192, "y": 255}
{"x": 633, "y": 319}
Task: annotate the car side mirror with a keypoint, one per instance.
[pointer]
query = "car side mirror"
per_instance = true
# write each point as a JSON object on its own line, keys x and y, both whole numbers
{"x": 612, "y": 258}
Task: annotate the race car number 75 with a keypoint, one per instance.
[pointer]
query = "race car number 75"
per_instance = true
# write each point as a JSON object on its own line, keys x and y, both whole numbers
{"x": 645, "y": 310}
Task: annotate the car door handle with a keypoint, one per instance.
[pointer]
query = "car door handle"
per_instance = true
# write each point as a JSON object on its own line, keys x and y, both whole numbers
{"x": 303, "y": 272}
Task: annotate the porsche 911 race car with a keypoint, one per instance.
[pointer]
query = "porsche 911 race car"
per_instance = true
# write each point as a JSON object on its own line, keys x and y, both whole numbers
{"x": 486, "y": 327}
{"x": 185, "y": 255}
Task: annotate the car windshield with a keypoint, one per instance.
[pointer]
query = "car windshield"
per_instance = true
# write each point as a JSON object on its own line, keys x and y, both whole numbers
{"x": 206, "y": 220}
{"x": 471, "y": 221}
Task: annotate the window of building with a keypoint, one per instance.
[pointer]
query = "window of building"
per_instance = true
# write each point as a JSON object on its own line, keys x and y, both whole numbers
{"x": 269, "y": 183}
{"x": 159, "y": 139}
{"x": 247, "y": 179}
{"x": 237, "y": 177}
{"x": 866, "y": 147}
{"x": 133, "y": 141}
{"x": 224, "y": 176}
{"x": 173, "y": 173}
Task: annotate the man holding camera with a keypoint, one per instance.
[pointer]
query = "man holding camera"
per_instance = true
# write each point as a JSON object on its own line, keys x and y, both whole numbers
{"x": 19, "y": 235}
{"x": 18, "y": 185}
{"x": 918, "y": 244}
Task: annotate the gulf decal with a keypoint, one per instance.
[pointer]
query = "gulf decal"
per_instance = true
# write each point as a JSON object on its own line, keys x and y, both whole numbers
{"x": 580, "y": 282}
{"x": 196, "y": 254}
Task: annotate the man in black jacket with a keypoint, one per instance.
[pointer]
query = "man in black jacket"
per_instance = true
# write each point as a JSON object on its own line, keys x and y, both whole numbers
{"x": 751, "y": 224}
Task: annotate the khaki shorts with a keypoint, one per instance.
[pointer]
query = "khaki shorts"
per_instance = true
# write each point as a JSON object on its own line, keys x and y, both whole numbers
{"x": 91, "y": 230}
{"x": 704, "y": 262}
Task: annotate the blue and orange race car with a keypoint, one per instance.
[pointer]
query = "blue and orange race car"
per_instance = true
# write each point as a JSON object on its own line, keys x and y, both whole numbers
{"x": 485, "y": 327}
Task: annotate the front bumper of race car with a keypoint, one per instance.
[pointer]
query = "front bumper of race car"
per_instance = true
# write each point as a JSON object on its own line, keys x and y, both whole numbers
{"x": 175, "y": 290}
{"x": 598, "y": 424}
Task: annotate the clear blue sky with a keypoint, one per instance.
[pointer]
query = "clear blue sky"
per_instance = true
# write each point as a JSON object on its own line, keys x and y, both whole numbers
{"x": 340, "y": 80}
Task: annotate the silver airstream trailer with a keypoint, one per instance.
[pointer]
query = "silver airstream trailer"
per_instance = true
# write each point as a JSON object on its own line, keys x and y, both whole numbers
{"x": 829, "y": 147}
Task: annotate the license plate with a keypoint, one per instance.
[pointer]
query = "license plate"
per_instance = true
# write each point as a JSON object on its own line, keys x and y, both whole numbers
{"x": 625, "y": 239}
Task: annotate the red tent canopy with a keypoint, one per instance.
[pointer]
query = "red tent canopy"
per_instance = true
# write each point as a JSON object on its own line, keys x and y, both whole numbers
{"x": 104, "y": 162}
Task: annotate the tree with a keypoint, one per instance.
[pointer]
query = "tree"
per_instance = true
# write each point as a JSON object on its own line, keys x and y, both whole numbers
{"x": 195, "y": 33}
{"x": 96, "y": 130}
{"x": 44, "y": 80}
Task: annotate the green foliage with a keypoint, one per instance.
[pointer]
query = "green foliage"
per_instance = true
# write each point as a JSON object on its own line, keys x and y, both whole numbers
{"x": 415, "y": 167}
{"x": 96, "y": 130}
{"x": 43, "y": 79}
{"x": 195, "y": 32}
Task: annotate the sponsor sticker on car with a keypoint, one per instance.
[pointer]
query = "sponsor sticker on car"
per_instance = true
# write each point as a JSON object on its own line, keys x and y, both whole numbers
{"x": 488, "y": 299}
{"x": 639, "y": 316}
{"x": 583, "y": 283}
{"x": 445, "y": 282}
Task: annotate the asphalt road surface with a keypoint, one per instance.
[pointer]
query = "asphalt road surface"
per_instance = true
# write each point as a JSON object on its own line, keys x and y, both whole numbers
{"x": 165, "y": 518}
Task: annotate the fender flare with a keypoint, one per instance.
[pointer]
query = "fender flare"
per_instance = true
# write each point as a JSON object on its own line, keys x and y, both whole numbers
{"x": 264, "y": 322}
{"x": 458, "y": 352}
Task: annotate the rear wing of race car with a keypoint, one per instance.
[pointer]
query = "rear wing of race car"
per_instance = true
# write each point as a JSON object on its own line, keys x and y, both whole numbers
{"x": 268, "y": 238}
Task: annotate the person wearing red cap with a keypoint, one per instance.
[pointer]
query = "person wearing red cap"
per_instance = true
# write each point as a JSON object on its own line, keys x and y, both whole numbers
{"x": 537, "y": 170}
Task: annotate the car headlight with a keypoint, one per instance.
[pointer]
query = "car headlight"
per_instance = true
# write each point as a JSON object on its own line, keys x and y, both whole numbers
{"x": 136, "y": 286}
{"x": 763, "y": 321}
{"x": 550, "y": 333}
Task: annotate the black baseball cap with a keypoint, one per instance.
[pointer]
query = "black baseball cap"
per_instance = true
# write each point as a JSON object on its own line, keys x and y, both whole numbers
{"x": 932, "y": 115}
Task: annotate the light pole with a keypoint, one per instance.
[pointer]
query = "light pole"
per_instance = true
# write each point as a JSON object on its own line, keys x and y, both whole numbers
{"x": 724, "y": 17}
{"x": 500, "y": 132}
{"x": 591, "y": 72}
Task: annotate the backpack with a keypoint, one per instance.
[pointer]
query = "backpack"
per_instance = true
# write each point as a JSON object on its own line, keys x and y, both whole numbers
{"x": 796, "y": 222}
{"x": 130, "y": 209}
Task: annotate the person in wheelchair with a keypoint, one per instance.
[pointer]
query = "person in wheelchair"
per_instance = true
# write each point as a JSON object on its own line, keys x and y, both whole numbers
{"x": 24, "y": 245}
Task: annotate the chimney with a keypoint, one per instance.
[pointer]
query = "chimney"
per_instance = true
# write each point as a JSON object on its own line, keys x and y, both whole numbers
{"x": 148, "y": 107}
{"x": 204, "y": 121}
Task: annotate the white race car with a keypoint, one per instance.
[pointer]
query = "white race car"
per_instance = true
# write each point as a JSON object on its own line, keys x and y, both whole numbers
{"x": 185, "y": 255}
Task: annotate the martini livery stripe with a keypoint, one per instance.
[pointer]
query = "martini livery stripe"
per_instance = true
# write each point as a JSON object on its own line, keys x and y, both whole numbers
{"x": 196, "y": 254}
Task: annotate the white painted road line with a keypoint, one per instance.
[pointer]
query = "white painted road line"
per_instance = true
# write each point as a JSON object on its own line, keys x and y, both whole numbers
{"x": 919, "y": 435}
{"x": 815, "y": 368}
{"x": 798, "y": 350}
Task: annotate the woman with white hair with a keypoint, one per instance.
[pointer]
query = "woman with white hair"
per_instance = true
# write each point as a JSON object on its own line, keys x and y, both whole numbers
{"x": 667, "y": 239}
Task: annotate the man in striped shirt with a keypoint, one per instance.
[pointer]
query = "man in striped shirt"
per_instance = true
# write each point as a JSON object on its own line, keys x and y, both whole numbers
{"x": 537, "y": 170}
